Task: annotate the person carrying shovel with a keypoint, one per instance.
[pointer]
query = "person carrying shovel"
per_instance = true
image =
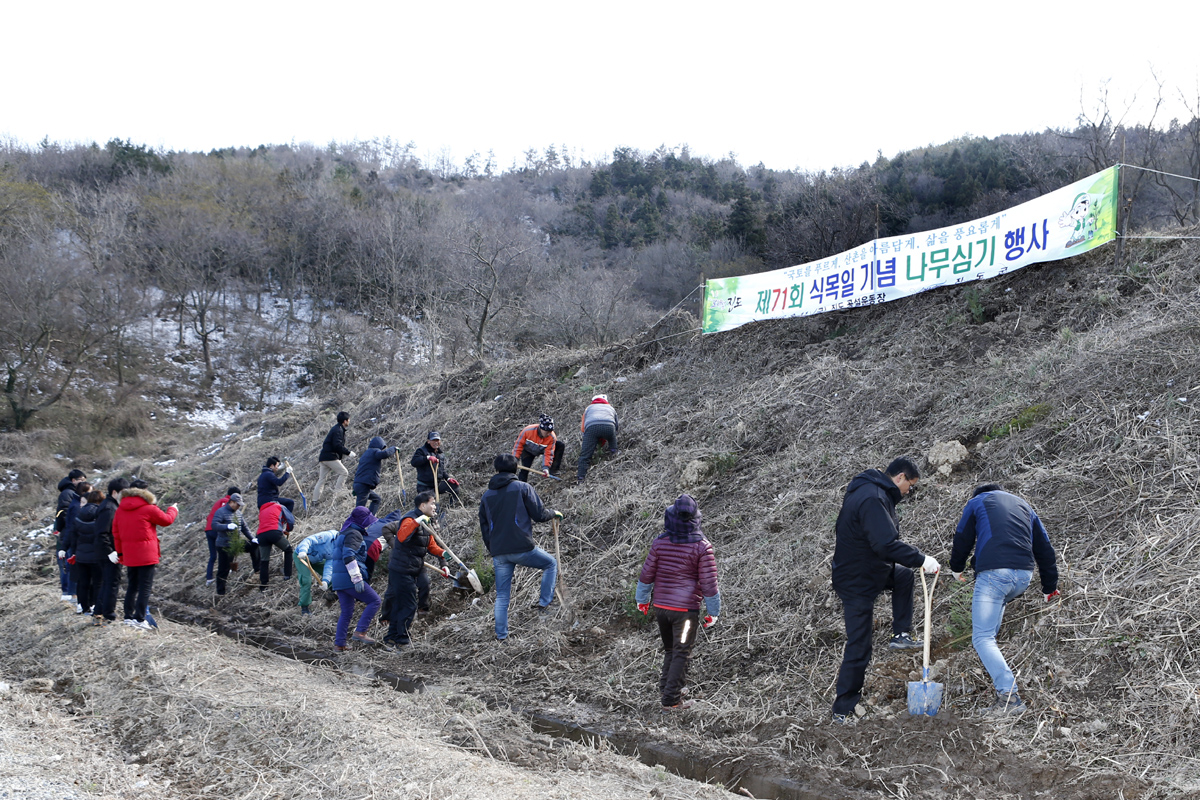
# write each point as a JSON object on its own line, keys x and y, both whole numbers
{"x": 1008, "y": 538}
{"x": 534, "y": 441}
{"x": 507, "y": 512}
{"x": 314, "y": 564}
{"x": 408, "y": 583}
{"x": 869, "y": 558}
{"x": 679, "y": 571}
{"x": 430, "y": 463}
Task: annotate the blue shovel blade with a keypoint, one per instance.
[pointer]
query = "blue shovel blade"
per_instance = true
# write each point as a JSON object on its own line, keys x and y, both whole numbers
{"x": 924, "y": 698}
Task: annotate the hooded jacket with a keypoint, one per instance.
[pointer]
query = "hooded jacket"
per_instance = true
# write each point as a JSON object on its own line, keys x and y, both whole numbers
{"x": 370, "y": 462}
{"x": 334, "y": 446}
{"x": 274, "y": 517}
{"x": 66, "y": 496}
{"x": 268, "y": 485}
{"x": 104, "y": 522}
{"x": 681, "y": 568}
{"x": 598, "y": 412}
{"x": 507, "y": 512}
{"x": 420, "y": 460}
{"x": 1005, "y": 533}
{"x": 81, "y": 536}
{"x": 868, "y": 543}
{"x": 135, "y": 527}
{"x": 348, "y": 546}
{"x": 212, "y": 512}
{"x": 411, "y": 543}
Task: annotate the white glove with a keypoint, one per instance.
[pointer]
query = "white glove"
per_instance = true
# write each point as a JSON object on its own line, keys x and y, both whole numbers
{"x": 254, "y": 540}
{"x": 352, "y": 454}
{"x": 113, "y": 557}
{"x": 288, "y": 469}
{"x": 546, "y": 472}
{"x": 324, "y": 586}
{"x": 708, "y": 622}
{"x": 423, "y": 520}
{"x": 958, "y": 576}
{"x": 232, "y": 526}
{"x": 62, "y": 553}
{"x": 931, "y": 566}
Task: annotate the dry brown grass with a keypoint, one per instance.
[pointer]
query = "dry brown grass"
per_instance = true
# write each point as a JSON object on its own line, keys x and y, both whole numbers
{"x": 779, "y": 417}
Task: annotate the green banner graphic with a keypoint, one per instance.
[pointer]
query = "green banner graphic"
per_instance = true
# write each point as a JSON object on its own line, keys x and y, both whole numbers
{"x": 1063, "y": 223}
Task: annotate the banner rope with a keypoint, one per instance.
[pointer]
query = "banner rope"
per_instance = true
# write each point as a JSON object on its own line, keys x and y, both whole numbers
{"x": 1159, "y": 172}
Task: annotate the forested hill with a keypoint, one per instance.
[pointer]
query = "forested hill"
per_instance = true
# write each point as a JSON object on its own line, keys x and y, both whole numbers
{"x": 116, "y": 258}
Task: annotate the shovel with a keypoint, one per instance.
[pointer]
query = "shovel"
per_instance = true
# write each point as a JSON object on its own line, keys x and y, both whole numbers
{"x": 539, "y": 472}
{"x": 471, "y": 576}
{"x": 925, "y": 696}
{"x": 560, "y": 588}
{"x": 295, "y": 480}
{"x": 400, "y": 469}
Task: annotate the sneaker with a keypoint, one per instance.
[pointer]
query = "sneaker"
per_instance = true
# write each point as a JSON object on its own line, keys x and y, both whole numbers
{"x": 362, "y": 638}
{"x": 501, "y": 641}
{"x": 68, "y": 599}
{"x": 97, "y": 622}
{"x": 287, "y": 578}
{"x": 145, "y": 625}
{"x": 78, "y": 608}
{"x": 130, "y": 621}
{"x": 305, "y": 611}
{"x": 903, "y": 641}
{"x": 682, "y": 705}
{"x": 210, "y": 581}
{"x": 844, "y": 719}
{"x": 386, "y": 645}
{"x": 1007, "y": 705}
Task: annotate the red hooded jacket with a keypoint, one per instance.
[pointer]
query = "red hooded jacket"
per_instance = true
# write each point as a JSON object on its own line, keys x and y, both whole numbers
{"x": 135, "y": 527}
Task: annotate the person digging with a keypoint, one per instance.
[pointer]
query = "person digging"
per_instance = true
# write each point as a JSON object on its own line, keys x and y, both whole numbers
{"x": 536, "y": 441}
{"x": 349, "y": 557}
{"x": 431, "y": 466}
{"x": 313, "y": 558}
{"x": 408, "y": 582}
{"x": 507, "y": 512}
{"x": 680, "y": 571}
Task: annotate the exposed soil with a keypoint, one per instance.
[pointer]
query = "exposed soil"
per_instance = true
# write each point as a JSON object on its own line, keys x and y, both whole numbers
{"x": 1076, "y": 390}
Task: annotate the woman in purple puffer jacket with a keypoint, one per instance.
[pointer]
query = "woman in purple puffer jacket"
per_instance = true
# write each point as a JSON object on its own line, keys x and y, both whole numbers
{"x": 679, "y": 571}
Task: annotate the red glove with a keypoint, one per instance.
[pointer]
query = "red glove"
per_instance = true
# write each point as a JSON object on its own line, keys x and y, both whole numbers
{"x": 452, "y": 481}
{"x": 71, "y": 560}
{"x": 644, "y": 608}
{"x": 1050, "y": 597}
{"x": 433, "y": 459}
{"x": 709, "y": 621}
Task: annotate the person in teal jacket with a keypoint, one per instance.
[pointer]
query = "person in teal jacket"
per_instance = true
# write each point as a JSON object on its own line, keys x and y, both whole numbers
{"x": 312, "y": 554}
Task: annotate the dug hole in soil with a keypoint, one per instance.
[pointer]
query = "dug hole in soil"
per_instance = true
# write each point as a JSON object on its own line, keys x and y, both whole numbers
{"x": 1070, "y": 383}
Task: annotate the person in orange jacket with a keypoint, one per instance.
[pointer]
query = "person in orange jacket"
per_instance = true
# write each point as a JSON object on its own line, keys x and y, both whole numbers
{"x": 135, "y": 544}
{"x": 534, "y": 441}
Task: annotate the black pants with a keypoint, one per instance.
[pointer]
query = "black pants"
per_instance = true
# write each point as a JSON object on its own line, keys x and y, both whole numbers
{"x": 365, "y": 496}
{"x": 265, "y": 542}
{"x": 450, "y": 494}
{"x": 137, "y": 596}
{"x": 405, "y": 594}
{"x": 591, "y": 438}
{"x": 89, "y": 579}
{"x": 527, "y": 460}
{"x": 110, "y": 583}
{"x": 859, "y": 611}
{"x": 678, "y": 632}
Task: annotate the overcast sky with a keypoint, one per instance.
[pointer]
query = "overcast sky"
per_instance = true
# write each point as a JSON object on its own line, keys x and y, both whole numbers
{"x": 779, "y": 83}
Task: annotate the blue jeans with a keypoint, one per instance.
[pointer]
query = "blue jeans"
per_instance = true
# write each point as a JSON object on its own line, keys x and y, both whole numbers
{"x": 504, "y": 566}
{"x": 64, "y": 576}
{"x": 212, "y": 553}
{"x": 994, "y": 589}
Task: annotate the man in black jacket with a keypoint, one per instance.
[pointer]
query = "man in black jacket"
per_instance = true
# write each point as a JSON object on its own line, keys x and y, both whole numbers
{"x": 869, "y": 558}
{"x": 428, "y": 457}
{"x": 66, "y": 496}
{"x": 330, "y": 458}
{"x": 274, "y": 475}
{"x": 507, "y": 512}
{"x": 110, "y": 579}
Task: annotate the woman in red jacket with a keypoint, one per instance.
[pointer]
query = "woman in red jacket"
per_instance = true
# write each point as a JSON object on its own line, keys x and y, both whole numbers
{"x": 680, "y": 570}
{"x": 135, "y": 544}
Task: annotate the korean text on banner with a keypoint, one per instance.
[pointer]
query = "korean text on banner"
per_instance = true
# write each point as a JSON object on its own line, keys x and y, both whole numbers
{"x": 1063, "y": 223}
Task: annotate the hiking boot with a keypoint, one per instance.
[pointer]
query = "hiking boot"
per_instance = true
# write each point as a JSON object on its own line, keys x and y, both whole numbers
{"x": 362, "y": 638}
{"x": 682, "y": 705}
{"x": 341, "y": 648}
{"x": 1007, "y": 705}
{"x": 904, "y": 641}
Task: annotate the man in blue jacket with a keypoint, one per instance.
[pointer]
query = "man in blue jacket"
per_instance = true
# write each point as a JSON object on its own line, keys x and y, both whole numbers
{"x": 1008, "y": 538}
{"x": 507, "y": 512}
{"x": 366, "y": 477}
{"x": 869, "y": 558}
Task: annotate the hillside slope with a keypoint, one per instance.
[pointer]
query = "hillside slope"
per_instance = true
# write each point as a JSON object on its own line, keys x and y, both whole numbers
{"x": 1071, "y": 383}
